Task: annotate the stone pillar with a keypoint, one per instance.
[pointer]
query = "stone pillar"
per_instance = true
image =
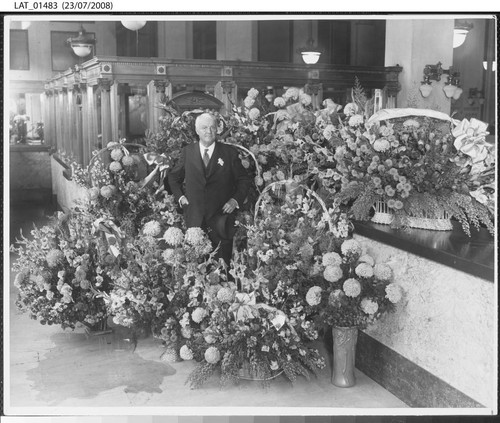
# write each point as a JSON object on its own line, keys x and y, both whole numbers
{"x": 106, "y": 130}
{"x": 412, "y": 44}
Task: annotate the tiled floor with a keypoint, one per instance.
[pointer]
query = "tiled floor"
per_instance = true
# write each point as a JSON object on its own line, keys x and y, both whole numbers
{"x": 51, "y": 371}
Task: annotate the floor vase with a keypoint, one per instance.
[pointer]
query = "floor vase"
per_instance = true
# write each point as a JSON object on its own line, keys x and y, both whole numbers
{"x": 344, "y": 355}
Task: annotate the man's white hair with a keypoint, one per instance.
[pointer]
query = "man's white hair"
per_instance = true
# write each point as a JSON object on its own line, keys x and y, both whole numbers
{"x": 204, "y": 116}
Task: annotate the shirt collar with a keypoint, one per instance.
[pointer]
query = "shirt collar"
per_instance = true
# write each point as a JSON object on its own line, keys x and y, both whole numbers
{"x": 210, "y": 149}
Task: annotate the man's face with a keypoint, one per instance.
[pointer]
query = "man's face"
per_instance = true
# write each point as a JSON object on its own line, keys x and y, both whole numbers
{"x": 206, "y": 130}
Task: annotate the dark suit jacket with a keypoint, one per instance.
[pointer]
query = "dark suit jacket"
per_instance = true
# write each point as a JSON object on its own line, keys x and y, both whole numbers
{"x": 207, "y": 192}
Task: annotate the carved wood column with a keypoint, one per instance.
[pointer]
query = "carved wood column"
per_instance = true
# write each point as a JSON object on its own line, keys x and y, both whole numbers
{"x": 315, "y": 90}
{"x": 159, "y": 91}
{"x": 48, "y": 104}
{"x": 106, "y": 129}
{"x": 91, "y": 112}
{"x": 114, "y": 111}
{"x": 226, "y": 91}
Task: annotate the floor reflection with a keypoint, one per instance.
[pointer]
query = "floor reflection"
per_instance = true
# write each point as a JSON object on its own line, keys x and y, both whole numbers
{"x": 83, "y": 366}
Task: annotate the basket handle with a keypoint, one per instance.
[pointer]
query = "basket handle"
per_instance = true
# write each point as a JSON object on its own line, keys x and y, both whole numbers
{"x": 308, "y": 190}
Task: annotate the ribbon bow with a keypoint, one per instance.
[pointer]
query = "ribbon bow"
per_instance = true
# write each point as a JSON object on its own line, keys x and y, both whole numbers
{"x": 162, "y": 164}
{"x": 470, "y": 139}
{"x": 111, "y": 232}
{"x": 244, "y": 307}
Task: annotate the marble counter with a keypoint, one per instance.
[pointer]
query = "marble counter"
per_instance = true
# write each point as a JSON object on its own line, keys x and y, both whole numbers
{"x": 446, "y": 322}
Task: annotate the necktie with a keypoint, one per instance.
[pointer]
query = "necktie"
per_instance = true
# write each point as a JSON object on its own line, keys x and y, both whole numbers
{"x": 206, "y": 158}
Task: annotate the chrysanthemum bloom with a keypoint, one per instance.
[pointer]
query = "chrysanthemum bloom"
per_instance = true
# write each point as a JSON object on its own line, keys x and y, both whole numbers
{"x": 248, "y": 102}
{"x": 280, "y": 175}
{"x": 350, "y": 109}
{"x": 350, "y": 247}
{"x": 333, "y": 273}
{"x": 292, "y": 93}
{"x": 187, "y": 332}
{"x": 334, "y": 298}
{"x": 49, "y": 295}
{"x": 253, "y": 113}
{"x": 369, "y": 306}
{"x": 259, "y": 181}
{"x": 381, "y": 145}
{"x": 382, "y": 272}
{"x": 212, "y": 355}
{"x": 355, "y": 120}
{"x": 352, "y": 288}
{"x": 209, "y": 338}
{"x": 279, "y": 102}
{"x": 185, "y": 353}
{"x": 366, "y": 258}
{"x": 115, "y": 167}
{"x": 364, "y": 270}
{"x": 107, "y": 191}
{"x": 393, "y": 293}
{"x": 93, "y": 193}
{"x": 411, "y": 123}
{"x": 54, "y": 257}
{"x": 225, "y": 295}
{"x": 305, "y": 99}
{"x": 194, "y": 236}
{"x": 128, "y": 161}
{"x": 80, "y": 273}
{"x": 174, "y": 236}
{"x": 198, "y": 314}
{"x": 152, "y": 228}
{"x": 116, "y": 154}
{"x": 313, "y": 296}
{"x": 331, "y": 259}
{"x": 112, "y": 144}
{"x": 253, "y": 93}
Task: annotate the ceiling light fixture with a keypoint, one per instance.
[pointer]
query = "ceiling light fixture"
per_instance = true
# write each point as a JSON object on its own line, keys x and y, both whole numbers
{"x": 82, "y": 44}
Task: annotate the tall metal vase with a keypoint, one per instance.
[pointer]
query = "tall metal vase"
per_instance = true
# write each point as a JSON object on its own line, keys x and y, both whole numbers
{"x": 344, "y": 355}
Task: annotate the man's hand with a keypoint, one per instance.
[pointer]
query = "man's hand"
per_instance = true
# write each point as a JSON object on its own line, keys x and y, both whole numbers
{"x": 230, "y": 206}
{"x": 183, "y": 201}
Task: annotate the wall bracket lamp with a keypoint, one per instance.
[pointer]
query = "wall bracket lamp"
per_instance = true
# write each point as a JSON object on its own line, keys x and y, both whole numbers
{"x": 83, "y": 43}
{"x": 434, "y": 73}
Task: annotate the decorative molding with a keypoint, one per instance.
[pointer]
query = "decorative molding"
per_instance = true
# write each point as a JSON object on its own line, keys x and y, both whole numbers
{"x": 161, "y": 70}
{"x": 406, "y": 380}
{"x": 105, "y": 84}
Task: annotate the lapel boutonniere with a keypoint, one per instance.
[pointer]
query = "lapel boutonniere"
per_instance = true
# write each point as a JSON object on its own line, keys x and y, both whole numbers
{"x": 220, "y": 162}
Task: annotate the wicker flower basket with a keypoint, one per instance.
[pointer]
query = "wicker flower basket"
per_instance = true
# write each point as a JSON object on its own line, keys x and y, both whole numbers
{"x": 384, "y": 216}
{"x": 247, "y": 373}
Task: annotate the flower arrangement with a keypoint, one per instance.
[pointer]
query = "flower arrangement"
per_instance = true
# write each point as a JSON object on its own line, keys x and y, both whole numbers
{"x": 59, "y": 269}
{"x": 420, "y": 163}
{"x": 247, "y": 333}
{"x": 349, "y": 289}
{"x": 160, "y": 283}
{"x": 258, "y": 322}
{"x": 122, "y": 185}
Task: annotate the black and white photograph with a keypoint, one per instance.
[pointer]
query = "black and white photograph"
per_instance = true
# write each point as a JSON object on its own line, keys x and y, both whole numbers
{"x": 250, "y": 215}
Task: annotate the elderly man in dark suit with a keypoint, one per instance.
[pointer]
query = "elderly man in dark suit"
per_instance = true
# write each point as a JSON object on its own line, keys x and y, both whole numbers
{"x": 210, "y": 183}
